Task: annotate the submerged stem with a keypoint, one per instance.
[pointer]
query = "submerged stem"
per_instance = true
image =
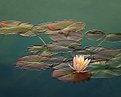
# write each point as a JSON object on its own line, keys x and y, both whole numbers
{"x": 42, "y": 40}
{"x": 100, "y": 43}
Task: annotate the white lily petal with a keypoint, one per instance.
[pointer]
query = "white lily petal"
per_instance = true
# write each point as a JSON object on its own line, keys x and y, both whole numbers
{"x": 79, "y": 63}
{"x": 75, "y": 66}
{"x": 81, "y": 58}
{"x": 74, "y": 60}
{"x": 78, "y": 67}
{"x": 76, "y": 56}
{"x": 87, "y": 63}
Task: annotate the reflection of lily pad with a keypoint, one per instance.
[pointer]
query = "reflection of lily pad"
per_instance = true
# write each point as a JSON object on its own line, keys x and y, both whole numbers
{"x": 69, "y": 75}
{"x": 14, "y": 27}
{"x": 38, "y": 62}
{"x": 60, "y": 26}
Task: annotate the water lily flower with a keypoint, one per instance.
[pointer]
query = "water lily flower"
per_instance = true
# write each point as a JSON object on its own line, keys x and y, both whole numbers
{"x": 79, "y": 64}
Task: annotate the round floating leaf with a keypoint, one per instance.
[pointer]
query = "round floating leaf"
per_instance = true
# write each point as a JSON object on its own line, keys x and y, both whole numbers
{"x": 60, "y": 26}
{"x": 62, "y": 66}
{"x": 111, "y": 68}
{"x": 28, "y": 33}
{"x": 14, "y": 27}
{"x": 76, "y": 36}
{"x": 97, "y": 52}
{"x": 68, "y": 43}
{"x": 114, "y": 37}
{"x": 49, "y": 49}
{"x": 103, "y": 71}
{"x": 36, "y": 62}
{"x": 68, "y": 75}
{"x": 95, "y": 35}
{"x": 42, "y": 50}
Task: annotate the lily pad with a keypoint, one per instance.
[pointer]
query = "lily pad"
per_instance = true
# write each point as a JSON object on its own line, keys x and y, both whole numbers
{"x": 36, "y": 62}
{"x": 68, "y": 43}
{"x": 104, "y": 70}
{"x": 97, "y": 52}
{"x": 110, "y": 68}
{"x": 97, "y": 68}
{"x": 95, "y": 35}
{"x": 60, "y": 26}
{"x": 14, "y": 27}
{"x": 114, "y": 37}
{"x": 68, "y": 75}
{"x": 40, "y": 49}
{"x": 76, "y": 36}
{"x": 48, "y": 49}
{"x": 98, "y": 35}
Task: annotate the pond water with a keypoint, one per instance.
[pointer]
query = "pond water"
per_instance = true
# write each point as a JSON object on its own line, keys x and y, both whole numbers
{"x": 96, "y": 14}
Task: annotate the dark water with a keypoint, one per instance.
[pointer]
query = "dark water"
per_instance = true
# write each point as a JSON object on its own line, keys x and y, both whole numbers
{"x": 14, "y": 82}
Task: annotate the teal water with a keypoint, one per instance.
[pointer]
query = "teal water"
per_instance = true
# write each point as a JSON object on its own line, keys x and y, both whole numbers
{"x": 14, "y": 82}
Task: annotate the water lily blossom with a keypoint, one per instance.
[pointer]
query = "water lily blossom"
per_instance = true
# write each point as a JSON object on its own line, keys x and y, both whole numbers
{"x": 79, "y": 64}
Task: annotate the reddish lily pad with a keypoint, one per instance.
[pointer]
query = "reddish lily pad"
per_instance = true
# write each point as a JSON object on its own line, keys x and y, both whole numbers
{"x": 14, "y": 27}
{"x": 65, "y": 73}
{"x": 36, "y": 62}
{"x": 60, "y": 26}
{"x": 68, "y": 75}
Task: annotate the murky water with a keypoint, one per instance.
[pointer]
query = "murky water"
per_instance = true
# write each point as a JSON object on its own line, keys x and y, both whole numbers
{"x": 14, "y": 82}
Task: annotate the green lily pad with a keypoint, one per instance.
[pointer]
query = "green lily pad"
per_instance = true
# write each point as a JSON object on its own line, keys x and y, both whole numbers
{"x": 104, "y": 70}
{"x": 97, "y": 52}
{"x": 62, "y": 65}
{"x": 76, "y": 36}
{"x": 36, "y": 62}
{"x": 60, "y": 26}
{"x": 40, "y": 49}
{"x": 110, "y": 68}
{"x": 14, "y": 27}
{"x": 48, "y": 49}
{"x": 68, "y": 43}
{"x": 98, "y": 35}
{"x": 95, "y": 35}
{"x": 114, "y": 37}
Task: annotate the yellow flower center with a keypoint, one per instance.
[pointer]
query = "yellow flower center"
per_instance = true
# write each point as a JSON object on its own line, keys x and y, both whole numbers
{"x": 80, "y": 62}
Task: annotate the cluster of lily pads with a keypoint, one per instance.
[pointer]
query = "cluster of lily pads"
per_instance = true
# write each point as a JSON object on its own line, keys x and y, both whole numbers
{"x": 66, "y": 36}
